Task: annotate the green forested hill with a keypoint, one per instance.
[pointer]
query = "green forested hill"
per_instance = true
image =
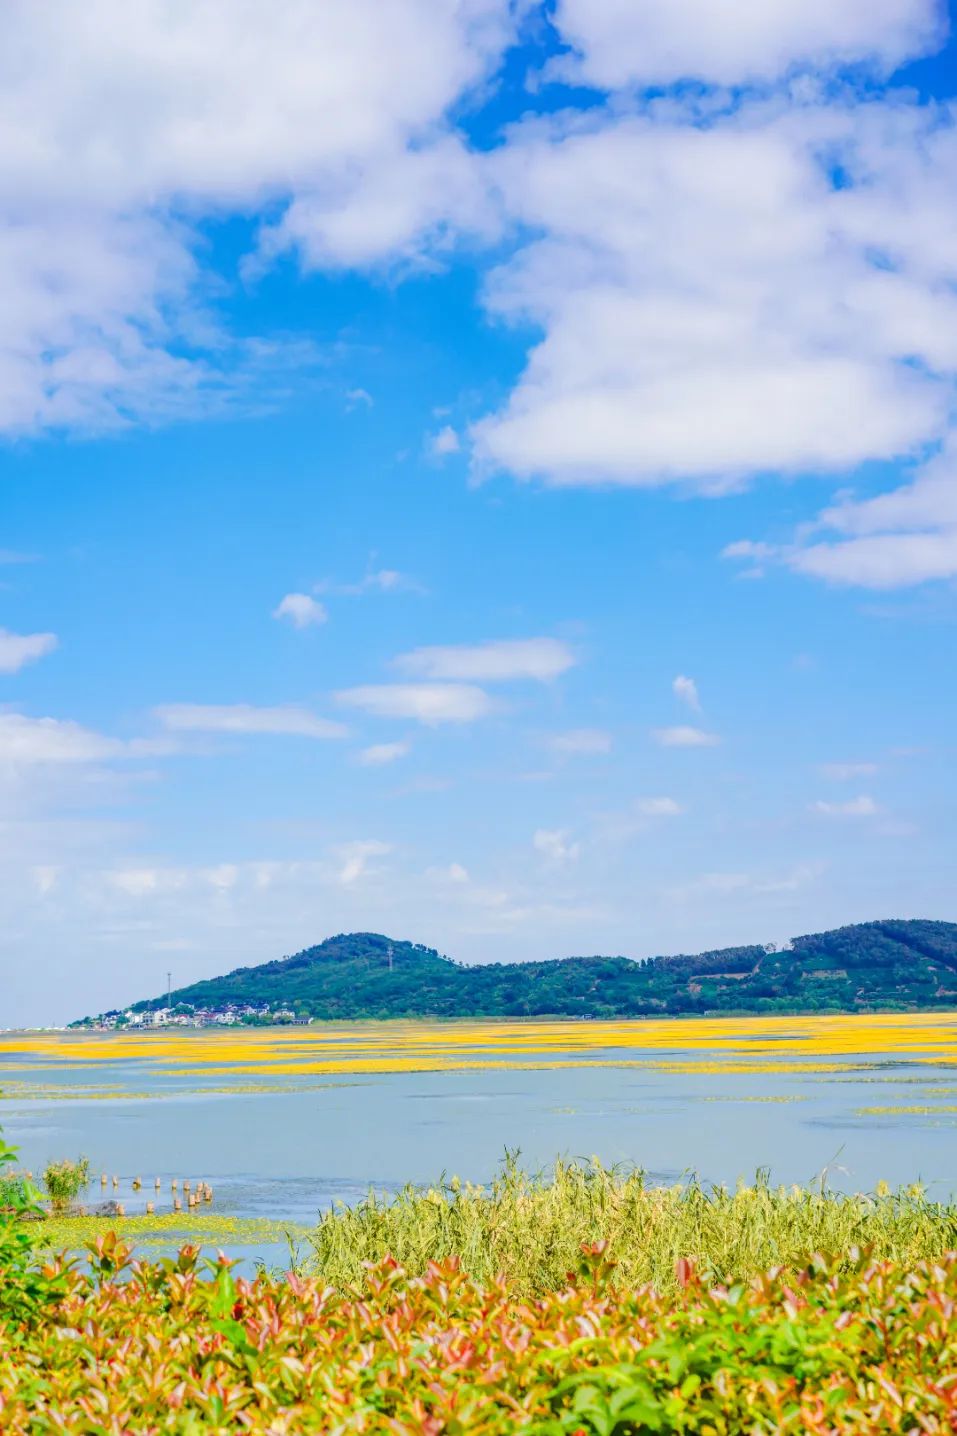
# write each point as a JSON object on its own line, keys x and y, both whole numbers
{"x": 894, "y": 964}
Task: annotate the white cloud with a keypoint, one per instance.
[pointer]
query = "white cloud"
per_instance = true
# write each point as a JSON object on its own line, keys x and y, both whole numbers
{"x": 429, "y": 703}
{"x": 17, "y": 649}
{"x": 714, "y": 306}
{"x": 355, "y": 397}
{"x": 684, "y": 736}
{"x": 381, "y": 580}
{"x": 301, "y": 610}
{"x": 454, "y": 874}
{"x": 686, "y": 690}
{"x": 622, "y": 43}
{"x": 356, "y": 857}
{"x": 445, "y": 442}
{"x": 121, "y": 125}
{"x": 659, "y": 807}
{"x": 861, "y": 807}
{"x": 244, "y": 718}
{"x": 58, "y": 740}
{"x": 896, "y": 539}
{"x": 555, "y": 846}
{"x": 493, "y": 662}
{"x": 584, "y": 741}
{"x": 730, "y": 884}
{"x": 844, "y": 772}
{"x": 379, "y": 754}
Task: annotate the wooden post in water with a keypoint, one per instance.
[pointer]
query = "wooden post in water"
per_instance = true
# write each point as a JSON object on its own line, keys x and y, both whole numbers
{"x": 177, "y": 1204}
{"x": 150, "y": 1208}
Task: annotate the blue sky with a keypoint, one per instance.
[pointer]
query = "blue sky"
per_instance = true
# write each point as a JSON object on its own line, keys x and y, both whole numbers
{"x": 474, "y": 471}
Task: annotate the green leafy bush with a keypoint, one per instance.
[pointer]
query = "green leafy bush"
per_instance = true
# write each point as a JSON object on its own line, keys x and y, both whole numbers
{"x": 156, "y": 1347}
{"x": 25, "y": 1286}
{"x": 65, "y": 1180}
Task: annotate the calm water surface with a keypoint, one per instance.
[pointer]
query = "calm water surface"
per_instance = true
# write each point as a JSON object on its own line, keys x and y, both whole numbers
{"x": 289, "y": 1153}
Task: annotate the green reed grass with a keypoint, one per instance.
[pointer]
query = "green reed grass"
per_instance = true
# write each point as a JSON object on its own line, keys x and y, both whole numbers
{"x": 531, "y": 1227}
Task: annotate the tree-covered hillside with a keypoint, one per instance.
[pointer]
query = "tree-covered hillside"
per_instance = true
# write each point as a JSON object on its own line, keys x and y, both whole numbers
{"x": 903, "y": 965}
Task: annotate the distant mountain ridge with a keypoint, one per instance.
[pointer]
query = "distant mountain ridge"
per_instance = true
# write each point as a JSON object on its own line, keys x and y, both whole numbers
{"x": 896, "y": 965}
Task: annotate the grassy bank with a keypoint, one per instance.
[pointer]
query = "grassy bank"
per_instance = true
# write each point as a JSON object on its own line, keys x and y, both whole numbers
{"x": 157, "y": 1349}
{"x": 531, "y": 1228}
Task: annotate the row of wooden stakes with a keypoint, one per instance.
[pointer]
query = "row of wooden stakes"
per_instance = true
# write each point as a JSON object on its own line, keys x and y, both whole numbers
{"x": 203, "y": 1192}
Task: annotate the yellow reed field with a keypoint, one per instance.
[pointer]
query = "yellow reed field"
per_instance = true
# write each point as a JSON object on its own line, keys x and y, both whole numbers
{"x": 806, "y": 1045}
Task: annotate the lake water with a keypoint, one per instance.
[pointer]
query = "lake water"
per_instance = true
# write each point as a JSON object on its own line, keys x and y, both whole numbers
{"x": 279, "y": 1134}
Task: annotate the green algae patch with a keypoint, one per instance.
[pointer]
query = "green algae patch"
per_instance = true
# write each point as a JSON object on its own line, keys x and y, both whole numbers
{"x": 165, "y": 1230}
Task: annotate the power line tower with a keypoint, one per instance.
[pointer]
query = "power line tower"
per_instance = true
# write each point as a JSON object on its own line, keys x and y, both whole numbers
{"x": 169, "y": 987}
{"x": 389, "y": 955}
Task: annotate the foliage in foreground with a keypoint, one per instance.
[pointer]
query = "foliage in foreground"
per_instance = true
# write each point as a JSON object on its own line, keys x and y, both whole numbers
{"x": 532, "y": 1228}
{"x": 25, "y": 1289}
{"x": 158, "y": 1349}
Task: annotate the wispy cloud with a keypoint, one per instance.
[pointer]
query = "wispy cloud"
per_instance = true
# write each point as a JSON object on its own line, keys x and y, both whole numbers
{"x": 580, "y": 741}
{"x": 556, "y": 846}
{"x": 379, "y": 580}
{"x": 684, "y": 736}
{"x": 428, "y": 703}
{"x": 686, "y": 690}
{"x": 496, "y": 661}
{"x": 18, "y": 649}
{"x": 301, "y": 610}
{"x": 844, "y": 772}
{"x": 860, "y": 807}
{"x": 244, "y": 718}
{"x": 356, "y": 858}
{"x": 379, "y": 754}
{"x": 354, "y": 397}
{"x": 659, "y": 808}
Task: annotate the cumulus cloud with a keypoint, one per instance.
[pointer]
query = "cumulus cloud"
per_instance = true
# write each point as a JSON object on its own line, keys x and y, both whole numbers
{"x": 556, "y": 846}
{"x": 140, "y": 119}
{"x": 245, "y": 718}
{"x": 580, "y": 741}
{"x": 493, "y": 662}
{"x": 707, "y": 265}
{"x": 301, "y": 610}
{"x": 18, "y": 649}
{"x": 684, "y": 736}
{"x": 621, "y": 43}
{"x": 379, "y": 754}
{"x": 428, "y": 703}
{"x": 861, "y": 807}
{"x": 686, "y": 690}
{"x": 445, "y": 442}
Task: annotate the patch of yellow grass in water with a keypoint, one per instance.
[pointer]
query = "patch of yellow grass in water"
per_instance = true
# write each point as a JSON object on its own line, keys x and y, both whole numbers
{"x": 786, "y": 1045}
{"x": 169, "y": 1229}
{"x": 922, "y": 1110}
